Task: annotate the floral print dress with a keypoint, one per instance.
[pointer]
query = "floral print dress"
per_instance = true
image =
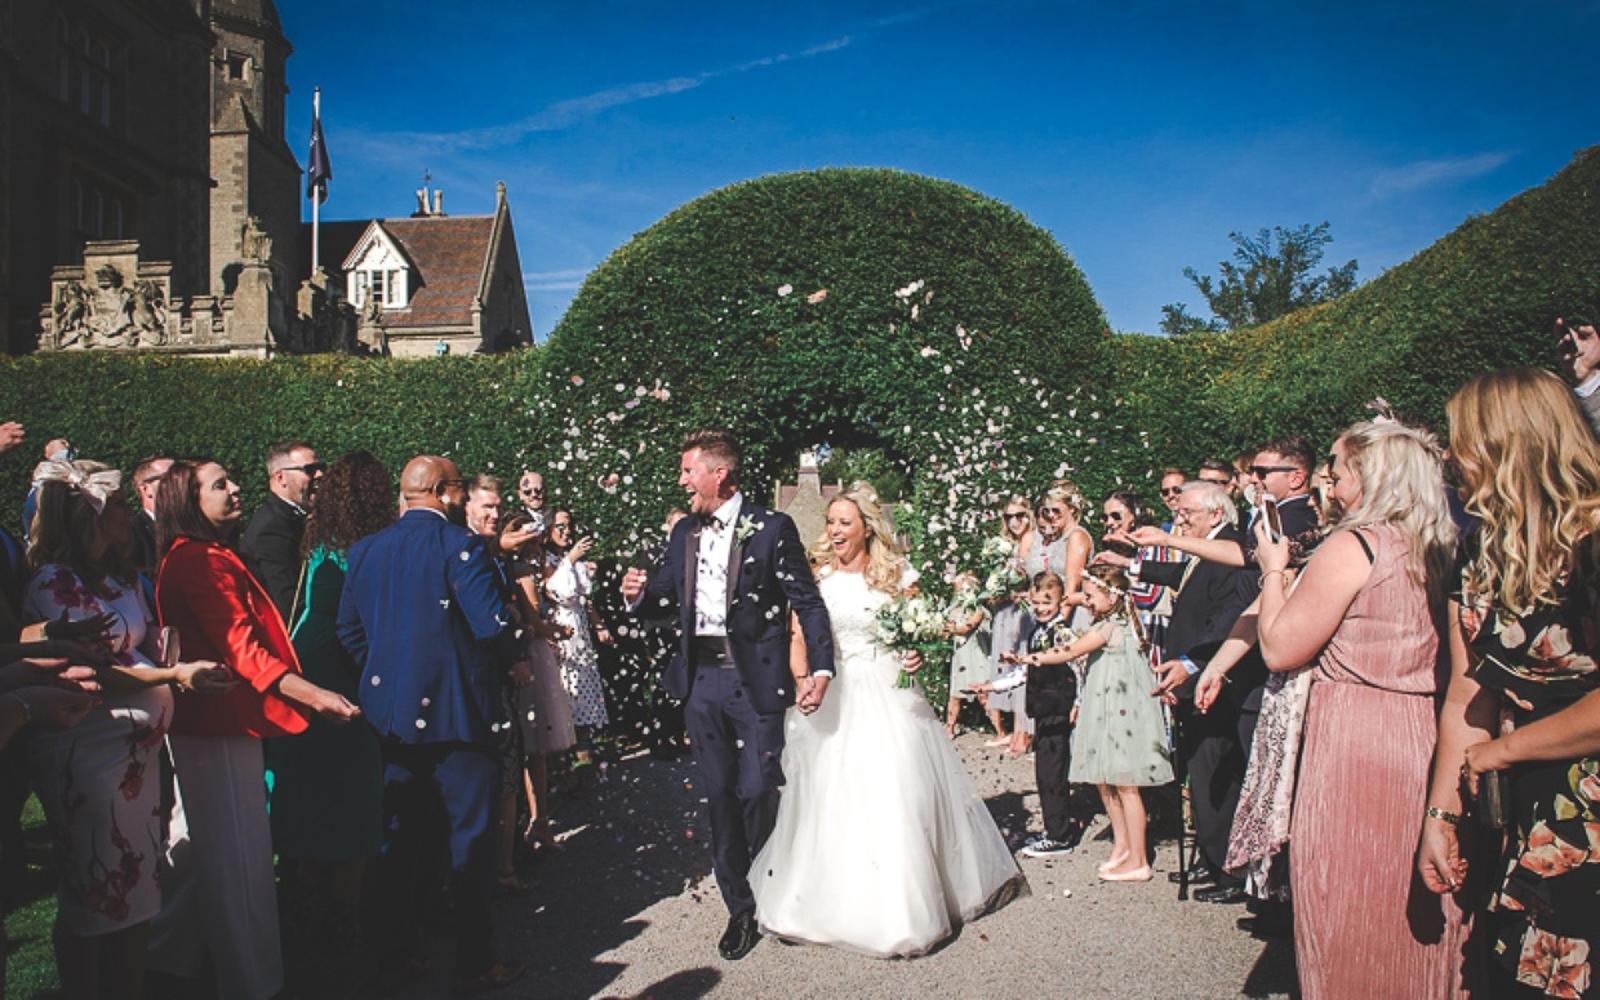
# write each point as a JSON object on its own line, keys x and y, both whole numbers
{"x": 1545, "y": 918}
{"x": 100, "y": 781}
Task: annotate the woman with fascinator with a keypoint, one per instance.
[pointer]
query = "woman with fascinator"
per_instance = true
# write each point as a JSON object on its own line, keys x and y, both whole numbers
{"x": 883, "y": 845}
{"x": 99, "y": 783}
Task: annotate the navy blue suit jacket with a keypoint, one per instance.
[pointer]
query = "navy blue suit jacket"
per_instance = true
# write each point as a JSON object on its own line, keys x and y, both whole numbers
{"x": 767, "y": 576}
{"x": 424, "y": 617}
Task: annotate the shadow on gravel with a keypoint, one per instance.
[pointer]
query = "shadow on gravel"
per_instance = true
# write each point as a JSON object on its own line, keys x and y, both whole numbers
{"x": 690, "y": 984}
{"x": 1274, "y": 973}
{"x": 634, "y": 836}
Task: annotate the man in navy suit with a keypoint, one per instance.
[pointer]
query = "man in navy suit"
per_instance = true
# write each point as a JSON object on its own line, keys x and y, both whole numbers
{"x": 423, "y": 615}
{"x": 732, "y": 572}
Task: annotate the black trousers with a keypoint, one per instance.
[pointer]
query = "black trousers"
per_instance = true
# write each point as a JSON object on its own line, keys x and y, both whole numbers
{"x": 1216, "y": 764}
{"x": 738, "y": 752}
{"x": 1052, "y": 762}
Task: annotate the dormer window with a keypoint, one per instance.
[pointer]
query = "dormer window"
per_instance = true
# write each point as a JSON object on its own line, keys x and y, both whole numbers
{"x": 377, "y": 270}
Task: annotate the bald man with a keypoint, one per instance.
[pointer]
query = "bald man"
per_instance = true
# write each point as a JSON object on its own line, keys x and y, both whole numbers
{"x": 423, "y": 615}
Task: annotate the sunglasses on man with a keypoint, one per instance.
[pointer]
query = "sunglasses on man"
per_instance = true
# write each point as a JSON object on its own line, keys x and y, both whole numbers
{"x": 310, "y": 468}
{"x": 1267, "y": 470}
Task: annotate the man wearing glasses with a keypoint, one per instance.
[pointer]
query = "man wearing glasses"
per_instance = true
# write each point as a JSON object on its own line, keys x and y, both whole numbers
{"x": 530, "y": 490}
{"x": 147, "y": 474}
{"x": 1282, "y": 471}
{"x": 271, "y": 543}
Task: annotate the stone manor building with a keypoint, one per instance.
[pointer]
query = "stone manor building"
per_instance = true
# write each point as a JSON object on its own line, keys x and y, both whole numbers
{"x": 149, "y": 200}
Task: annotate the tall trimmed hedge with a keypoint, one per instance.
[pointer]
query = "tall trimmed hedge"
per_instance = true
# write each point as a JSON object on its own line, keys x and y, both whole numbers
{"x": 954, "y": 334}
{"x": 1483, "y": 297}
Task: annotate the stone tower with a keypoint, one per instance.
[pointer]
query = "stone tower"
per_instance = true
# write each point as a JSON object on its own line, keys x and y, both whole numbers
{"x": 253, "y": 170}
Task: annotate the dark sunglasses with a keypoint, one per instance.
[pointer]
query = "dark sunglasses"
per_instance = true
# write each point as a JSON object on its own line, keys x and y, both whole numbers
{"x": 1020, "y": 515}
{"x": 1171, "y": 491}
{"x": 1266, "y": 470}
{"x": 310, "y": 468}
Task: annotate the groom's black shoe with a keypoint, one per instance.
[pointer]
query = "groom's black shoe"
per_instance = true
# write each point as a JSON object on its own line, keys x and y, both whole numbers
{"x": 739, "y": 938}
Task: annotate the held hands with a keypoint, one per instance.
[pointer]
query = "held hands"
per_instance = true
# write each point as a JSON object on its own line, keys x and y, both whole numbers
{"x": 810, "y": 693}
{"x": 634, "y": 581}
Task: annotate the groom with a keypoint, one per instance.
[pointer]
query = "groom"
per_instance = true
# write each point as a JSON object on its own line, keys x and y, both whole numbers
{"x": 732, "y": 572}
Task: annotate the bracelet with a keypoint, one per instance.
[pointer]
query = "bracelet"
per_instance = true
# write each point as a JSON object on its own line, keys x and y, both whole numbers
{"x": 1434, "y": 812}
{"x": 27, "y": 709}
{"x": 1272, "y": 572}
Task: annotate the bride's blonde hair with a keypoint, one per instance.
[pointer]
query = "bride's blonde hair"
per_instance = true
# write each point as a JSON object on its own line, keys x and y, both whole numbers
{"x": 885, "y": 565}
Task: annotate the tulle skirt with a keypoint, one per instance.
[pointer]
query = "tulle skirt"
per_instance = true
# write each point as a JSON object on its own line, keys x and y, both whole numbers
{"x": 883, "y": 845}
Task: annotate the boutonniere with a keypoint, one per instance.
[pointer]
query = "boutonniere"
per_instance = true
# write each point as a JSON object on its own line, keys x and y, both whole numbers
{"x": 746, "y": 527}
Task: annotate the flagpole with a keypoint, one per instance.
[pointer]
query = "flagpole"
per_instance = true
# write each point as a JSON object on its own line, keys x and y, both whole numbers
{"x": 316, "y": 202}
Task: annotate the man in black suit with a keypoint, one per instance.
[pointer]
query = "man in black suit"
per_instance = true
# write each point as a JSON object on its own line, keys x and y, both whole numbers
{"x": 1210, "y": 597}
{"x": 147, "y": 475}
{"x": 271, "y": 544}
{"x": 731, "y": 575}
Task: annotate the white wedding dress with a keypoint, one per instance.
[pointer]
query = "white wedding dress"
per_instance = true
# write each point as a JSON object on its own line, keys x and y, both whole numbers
{"x": 883, "y": 845}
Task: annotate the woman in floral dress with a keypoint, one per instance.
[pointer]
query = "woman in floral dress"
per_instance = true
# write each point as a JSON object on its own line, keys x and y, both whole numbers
{"x": 99, "y": 783}
{"x": 1523, "y": 692}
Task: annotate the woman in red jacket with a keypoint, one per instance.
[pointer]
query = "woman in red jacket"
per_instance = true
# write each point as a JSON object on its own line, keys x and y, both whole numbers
{"x": 220, "y": 897}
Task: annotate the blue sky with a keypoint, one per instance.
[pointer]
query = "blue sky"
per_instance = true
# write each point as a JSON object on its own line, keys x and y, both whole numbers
{"x": 1138, "y": 133}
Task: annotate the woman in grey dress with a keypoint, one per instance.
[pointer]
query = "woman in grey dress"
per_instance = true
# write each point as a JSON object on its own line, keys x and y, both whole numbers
{"x": 1016, "y": 526}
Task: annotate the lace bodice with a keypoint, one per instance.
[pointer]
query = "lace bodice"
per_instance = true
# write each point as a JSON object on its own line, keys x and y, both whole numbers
{"x": 853, "y": 609}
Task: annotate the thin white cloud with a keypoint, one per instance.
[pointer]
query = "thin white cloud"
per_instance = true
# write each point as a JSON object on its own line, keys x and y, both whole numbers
{"x": 1424, "y": 174}
{"x": 565, "y": 280}
{"x": 564, "y": 114}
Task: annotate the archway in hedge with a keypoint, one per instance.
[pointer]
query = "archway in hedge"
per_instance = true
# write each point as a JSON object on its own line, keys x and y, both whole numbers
{"x": 841, "y": 305}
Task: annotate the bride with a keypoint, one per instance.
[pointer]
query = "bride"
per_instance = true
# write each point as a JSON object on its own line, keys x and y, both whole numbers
{"x": 882, "y": 845}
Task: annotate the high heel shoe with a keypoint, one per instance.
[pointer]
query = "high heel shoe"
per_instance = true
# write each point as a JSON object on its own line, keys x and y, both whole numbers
{"x": 1137, "y": 875}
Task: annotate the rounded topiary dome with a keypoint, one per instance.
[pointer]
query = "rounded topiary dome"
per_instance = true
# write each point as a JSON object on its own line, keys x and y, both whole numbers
{"x": 809, "y": 303}
{"x": 848, "y": 307}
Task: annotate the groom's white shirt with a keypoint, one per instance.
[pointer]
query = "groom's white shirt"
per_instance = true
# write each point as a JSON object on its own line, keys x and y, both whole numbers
{"x": 711, "y": 569}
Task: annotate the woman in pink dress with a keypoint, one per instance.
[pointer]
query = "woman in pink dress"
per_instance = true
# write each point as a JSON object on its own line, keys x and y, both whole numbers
{"x": 1367, "y": 612}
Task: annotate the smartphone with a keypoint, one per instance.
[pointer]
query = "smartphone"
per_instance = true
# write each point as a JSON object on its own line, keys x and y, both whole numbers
{"x": 167, "y": 651}
{"x": 1267, "y": 511}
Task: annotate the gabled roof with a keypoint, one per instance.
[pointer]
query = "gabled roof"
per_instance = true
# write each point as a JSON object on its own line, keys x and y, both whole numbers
{"x": 450, "y": 255}
{"x": 450, "y": 252}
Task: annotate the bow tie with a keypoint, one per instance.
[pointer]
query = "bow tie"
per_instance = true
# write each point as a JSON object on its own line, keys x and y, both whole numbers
{"x": 711, "y": 521}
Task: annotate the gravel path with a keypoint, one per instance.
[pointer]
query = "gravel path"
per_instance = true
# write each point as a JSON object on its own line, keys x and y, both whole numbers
{"x": 628, "y": 909}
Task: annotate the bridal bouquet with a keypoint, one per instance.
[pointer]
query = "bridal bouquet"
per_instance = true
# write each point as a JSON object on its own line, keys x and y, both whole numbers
{"x": 912, "y": 623}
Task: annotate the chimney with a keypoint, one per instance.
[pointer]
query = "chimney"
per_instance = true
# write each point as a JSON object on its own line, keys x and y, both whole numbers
{"x": 422, "y": 204}
{"x": 438, "y": 201}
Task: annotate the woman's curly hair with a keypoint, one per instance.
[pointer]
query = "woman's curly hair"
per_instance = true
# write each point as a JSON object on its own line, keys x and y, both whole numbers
{"x": 356, "y": 498}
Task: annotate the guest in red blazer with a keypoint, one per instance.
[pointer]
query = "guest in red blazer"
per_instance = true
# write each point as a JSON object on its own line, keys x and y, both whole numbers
{"x": 221, "y": 899}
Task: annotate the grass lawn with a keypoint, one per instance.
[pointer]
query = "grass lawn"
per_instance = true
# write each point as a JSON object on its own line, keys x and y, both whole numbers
{"x": 30, "y": 962}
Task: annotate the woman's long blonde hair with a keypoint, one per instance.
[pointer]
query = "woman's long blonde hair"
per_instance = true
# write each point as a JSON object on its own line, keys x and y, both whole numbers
{"x": 885, "y": 564}
{"x": 1401, "y": 470}
{"x": 1531, "y": 468}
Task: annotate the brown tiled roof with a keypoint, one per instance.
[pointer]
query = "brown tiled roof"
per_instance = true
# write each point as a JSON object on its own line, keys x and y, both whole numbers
{"x": 449, "y": 253}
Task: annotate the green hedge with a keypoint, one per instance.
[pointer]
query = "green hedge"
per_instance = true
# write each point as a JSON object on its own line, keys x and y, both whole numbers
{"x": 992, "y": 374}
{"x": 1483, "y": 297}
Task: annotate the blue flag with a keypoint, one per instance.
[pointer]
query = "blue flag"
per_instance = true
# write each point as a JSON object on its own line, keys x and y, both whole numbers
{"x": 318, "y": 170}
